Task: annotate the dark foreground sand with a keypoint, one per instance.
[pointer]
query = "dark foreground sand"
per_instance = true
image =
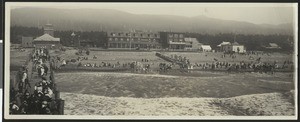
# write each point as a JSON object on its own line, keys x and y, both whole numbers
{"x": 268, "y": 104}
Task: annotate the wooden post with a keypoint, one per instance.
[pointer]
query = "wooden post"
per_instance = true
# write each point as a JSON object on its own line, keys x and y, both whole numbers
{"x": 61, "y": 105}
{"x": 57, "y": 94}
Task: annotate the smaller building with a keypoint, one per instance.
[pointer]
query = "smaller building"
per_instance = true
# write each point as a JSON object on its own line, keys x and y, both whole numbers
{"x": 47, "y": 41}
{"x": 173, "y": 40}
{"x": 192, "y": 44}
{"x": 224, "y": 46}
{"x": 205, "y": 48}
{"x": 27, "y": 42}
{"x": 238, "y": 48}
{"x": 231, "y": 47}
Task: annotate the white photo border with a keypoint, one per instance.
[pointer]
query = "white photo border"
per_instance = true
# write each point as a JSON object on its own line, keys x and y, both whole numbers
{"x": 9, "y": 5}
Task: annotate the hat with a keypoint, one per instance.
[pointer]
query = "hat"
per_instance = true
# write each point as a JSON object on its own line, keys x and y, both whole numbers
{"x": 44, "y": 102}
{"x": 27, "y": 94}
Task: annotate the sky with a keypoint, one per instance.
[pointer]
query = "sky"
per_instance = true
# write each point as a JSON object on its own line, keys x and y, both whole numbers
{"x": 257, "y": 13}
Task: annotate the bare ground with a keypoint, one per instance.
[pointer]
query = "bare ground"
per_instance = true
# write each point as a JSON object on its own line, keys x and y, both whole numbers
{"x": 241, "y": 94}
{"x": 156, "y": 86}
{"x": 269, "y": 104}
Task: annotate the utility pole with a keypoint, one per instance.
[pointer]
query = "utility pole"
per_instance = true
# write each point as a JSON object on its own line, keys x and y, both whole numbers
{"x": 130, "y": 39}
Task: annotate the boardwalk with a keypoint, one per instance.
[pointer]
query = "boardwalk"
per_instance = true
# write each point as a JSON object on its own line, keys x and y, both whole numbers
{"x": 33, "y": 75}
{"x": 40, "y": 96}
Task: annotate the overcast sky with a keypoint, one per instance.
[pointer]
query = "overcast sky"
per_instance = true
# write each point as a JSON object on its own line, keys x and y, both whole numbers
{"x": 259, "y": 13}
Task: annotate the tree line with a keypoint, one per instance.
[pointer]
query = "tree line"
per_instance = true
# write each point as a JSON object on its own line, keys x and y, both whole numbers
{"x": 98, "y": 38}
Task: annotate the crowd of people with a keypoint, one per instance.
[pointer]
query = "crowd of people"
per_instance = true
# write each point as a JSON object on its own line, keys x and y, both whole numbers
{"x": 134, "y": 66}
{"x": 253, "y": 66}
{"x": 41, "y": 98}
{"x": 253, "y": 63}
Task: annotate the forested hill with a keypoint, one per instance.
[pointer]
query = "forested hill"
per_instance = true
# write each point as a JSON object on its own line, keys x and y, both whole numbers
{"x": 114, "y": 20}
{"x": 252, "y": 42}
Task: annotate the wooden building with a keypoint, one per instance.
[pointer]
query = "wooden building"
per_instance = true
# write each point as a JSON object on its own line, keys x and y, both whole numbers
{"x": 47, "y": 40}
{"x": 133, "y": 40}
{"x": 173, "y": 40}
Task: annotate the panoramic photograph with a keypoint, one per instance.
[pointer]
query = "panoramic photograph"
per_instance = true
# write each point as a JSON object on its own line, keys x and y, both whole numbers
{"x": 150, "y": 60}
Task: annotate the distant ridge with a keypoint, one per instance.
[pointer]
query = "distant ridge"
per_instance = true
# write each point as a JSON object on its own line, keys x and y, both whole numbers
{"x": 115, "y": 20}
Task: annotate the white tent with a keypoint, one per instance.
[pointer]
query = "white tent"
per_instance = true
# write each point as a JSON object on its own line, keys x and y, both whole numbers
{"x": 205, "y": 48}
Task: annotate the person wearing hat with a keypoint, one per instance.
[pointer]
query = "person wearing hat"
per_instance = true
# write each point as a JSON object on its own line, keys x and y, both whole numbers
{"x": 36, "y": 105}
{"x": 24, "y": 108}
{"x": 25, "y": 80}
{"x": 63, "y": 62}
{"x": 26, "y": 95}
{"x": 44, "y": 104}
{"x": 46, "y": 68}
{"x": 44, "y": 82}
{"x": 14, "y": 107}
{"x": 42, "y": 71}
{"x": 38, "y": 88}
{"x": 39, "y": 69}
{"x": 48, "y": 94}
{"x": 45, "y": 108}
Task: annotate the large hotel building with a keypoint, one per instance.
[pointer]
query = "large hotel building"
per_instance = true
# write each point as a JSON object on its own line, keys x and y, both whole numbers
{"x": 133, "y": 40}
{"x": 145, "y": 40}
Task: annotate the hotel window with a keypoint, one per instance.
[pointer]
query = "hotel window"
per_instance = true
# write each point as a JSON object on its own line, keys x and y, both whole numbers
{"x": 170, "y": 40}
{"x": 141, "y": 35}
{"x": 110, "y": 39}
{"x": 119, "y": 34}
{"x": 180, "y": 40}
{"x": 170, "y": 35}
{"x": 127, "y": 39}
{"x": 121, "y": 39}
{"x": 134, "y": 34}
{"x": 148, "y": 35}
{"x": 116, "y": 39}
{"x": 155, "y": 35}
{"x": 176, "y": 35}
{"x": 181, "y": 36}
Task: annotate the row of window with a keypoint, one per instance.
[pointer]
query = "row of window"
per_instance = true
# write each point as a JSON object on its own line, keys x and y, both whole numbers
{"x": 128, "y": 39}
{"x": 176, "y": 35}
{"x": 120, "y": 45}
{"x": 176, "y": 40}
{"x": 134, "y": 35}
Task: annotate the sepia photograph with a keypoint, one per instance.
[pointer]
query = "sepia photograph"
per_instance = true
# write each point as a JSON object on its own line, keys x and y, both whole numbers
{"x": 104, "y": 60}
